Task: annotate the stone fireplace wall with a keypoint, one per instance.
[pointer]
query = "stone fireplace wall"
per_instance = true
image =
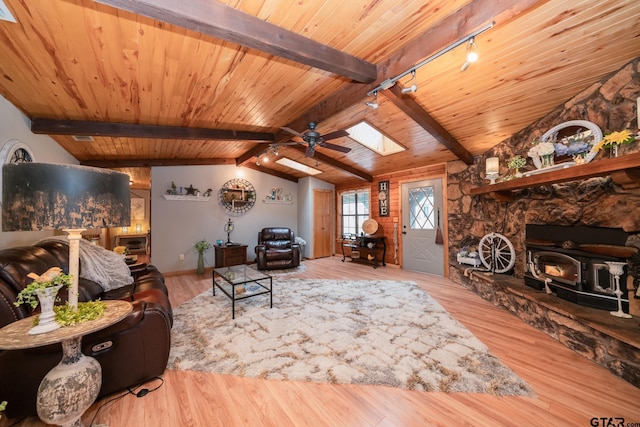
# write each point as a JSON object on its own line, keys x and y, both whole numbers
{"x": 611, "y": 104}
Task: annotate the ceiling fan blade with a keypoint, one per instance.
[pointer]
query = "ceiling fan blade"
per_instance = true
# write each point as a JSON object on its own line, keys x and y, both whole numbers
{"x": 335, "y": 147}
{"x": 334, "y": 135}
{"x": 291, "y": 131}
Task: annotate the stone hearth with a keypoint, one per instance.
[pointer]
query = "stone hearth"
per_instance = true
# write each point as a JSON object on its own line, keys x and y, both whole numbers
{"x": 611, "y": 342}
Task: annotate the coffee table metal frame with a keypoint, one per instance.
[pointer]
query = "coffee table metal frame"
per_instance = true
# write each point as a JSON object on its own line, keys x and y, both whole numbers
{"x": 236, "y": 276}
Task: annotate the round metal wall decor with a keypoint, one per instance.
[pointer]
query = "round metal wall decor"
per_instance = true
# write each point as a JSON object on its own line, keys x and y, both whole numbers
{"x": 237, "y": 196}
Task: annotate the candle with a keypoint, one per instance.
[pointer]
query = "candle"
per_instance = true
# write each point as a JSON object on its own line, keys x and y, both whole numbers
{"x": 493, "y": 166}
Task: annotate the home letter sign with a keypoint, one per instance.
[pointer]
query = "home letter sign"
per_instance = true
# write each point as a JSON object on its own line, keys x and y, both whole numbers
{"x": 383, "y": 198}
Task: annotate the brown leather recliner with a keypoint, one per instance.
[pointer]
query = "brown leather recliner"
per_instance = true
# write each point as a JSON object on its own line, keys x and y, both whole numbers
{"x": 132, "y": 351}
{"x": 277, "y": 249}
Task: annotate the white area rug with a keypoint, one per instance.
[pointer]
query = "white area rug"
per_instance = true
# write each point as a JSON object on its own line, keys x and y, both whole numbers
{"x": 282, "y": 272}
{"x": 358, "y": 332}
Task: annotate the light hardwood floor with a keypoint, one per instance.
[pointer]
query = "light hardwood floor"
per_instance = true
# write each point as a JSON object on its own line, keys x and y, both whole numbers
{"x": 570, "y": 390}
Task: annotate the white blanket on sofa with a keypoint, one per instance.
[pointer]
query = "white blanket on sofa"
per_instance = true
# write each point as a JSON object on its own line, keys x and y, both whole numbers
{"x": 104, "y": 267}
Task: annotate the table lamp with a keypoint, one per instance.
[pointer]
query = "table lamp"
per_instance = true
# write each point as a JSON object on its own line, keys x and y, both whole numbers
{"x": 72, "y": 198}
{"x": 228, "y": 228}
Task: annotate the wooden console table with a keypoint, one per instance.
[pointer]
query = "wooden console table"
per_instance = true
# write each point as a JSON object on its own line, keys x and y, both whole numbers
{"x": 365, "y": 249}
{"x": 227, "y": 255}
{"x": 137, "y": 243}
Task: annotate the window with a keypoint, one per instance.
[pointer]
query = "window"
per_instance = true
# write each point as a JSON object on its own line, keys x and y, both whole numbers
{"x": 355, "y": 211}
{"x": 373, "y": 139}
{"x": 421, "y": 208}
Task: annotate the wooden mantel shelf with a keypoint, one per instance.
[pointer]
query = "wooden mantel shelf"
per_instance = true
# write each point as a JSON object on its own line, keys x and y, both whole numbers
{"x": 625, "y": 170}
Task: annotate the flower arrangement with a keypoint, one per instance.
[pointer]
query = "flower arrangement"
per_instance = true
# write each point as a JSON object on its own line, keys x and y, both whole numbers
{"x": 540, "y": 149}
{"x": 616, "y": 138}
{"x": 517, "y": 162}
{"x": 121, "y": 250}
{"x": 202, "y": 245}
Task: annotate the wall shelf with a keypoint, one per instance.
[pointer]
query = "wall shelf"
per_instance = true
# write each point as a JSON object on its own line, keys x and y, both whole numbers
{"x": 624, "y": 170}
{"x": 188, "y": 198}
{"x": 278, "y": 202}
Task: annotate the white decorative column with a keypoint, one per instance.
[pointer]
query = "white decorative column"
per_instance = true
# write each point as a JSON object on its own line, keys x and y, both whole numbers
{"x": 616, "y": 269}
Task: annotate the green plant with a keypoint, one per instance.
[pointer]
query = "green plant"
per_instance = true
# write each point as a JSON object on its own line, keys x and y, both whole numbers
{"x": 517, "y": 162}
{"x": 202, "y": 246}
{"x": 28, "y": 295}
{"x": 91, "y": 310}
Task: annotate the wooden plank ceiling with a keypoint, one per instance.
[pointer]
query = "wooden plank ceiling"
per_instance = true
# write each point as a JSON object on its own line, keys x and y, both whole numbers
{"x": 204, "y": 82}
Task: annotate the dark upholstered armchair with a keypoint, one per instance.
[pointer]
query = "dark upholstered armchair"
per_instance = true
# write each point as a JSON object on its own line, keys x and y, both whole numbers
{"x": 277, "y": 249}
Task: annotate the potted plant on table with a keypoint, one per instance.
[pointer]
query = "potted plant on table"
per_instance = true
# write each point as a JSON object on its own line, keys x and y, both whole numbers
{"x": 44, "y": 291}
{"x": 201, "y": 246}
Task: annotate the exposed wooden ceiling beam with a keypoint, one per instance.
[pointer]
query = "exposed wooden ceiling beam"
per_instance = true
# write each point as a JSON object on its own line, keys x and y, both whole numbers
{"x": 224, "y": 22}
{"x": 336, "y": 164}
{"x": 447, "y": 31}
{"x": 411, "y": 108}
{"x": 137, "y": 163}
{"x": 271, "y": 172}
{"x": 132, "y": 130}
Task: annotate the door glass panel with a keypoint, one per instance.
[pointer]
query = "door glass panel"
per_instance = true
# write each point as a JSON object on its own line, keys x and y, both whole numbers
{"x": 421, "y": 208}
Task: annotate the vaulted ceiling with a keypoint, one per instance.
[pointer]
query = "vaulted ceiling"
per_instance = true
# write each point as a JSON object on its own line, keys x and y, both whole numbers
{"x": 161, "y": 82}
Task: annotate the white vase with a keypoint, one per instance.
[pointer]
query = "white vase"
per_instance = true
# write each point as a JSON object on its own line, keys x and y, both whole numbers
{"x": 47, "y": 322}
{"x": 536, "y": 161}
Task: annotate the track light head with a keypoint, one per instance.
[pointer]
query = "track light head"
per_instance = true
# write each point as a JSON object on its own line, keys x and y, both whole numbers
{"x": 373, "y": 104}
{"x": 472, "y": 54}
{"x": 414, "y": 87}
{"x": 409, "y": 89}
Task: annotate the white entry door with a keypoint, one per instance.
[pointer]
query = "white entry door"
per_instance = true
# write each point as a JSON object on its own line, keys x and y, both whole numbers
{"x": 421, "y": 217}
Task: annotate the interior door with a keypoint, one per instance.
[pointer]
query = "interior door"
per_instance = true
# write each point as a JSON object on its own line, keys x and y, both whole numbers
{"x": 421, "y": 216}
{"x": 322, "y": 223}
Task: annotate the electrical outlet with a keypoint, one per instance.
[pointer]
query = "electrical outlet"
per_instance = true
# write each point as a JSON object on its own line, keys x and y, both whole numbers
{"x": 181, "y": 256}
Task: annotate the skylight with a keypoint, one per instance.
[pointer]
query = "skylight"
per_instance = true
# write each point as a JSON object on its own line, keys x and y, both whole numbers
{"x": 373, "y": 139}
{"x": 298, "y": 166}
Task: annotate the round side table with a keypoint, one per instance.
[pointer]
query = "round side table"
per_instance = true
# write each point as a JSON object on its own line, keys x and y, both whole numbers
{"x": 72, "y": 386}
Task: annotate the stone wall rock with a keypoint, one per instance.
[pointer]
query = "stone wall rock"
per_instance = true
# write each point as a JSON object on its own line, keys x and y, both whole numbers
{"x": 611, "y": 104}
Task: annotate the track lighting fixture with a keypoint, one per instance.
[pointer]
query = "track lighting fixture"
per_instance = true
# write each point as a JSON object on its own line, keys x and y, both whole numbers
{"x": 413, "y": 88}
{"x": 264, "y": 156}
{"x": 373, "y": 104}
{"x": 472, "y": 54}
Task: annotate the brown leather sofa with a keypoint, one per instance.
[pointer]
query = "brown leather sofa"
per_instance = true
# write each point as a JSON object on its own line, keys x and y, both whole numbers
{"x": 130, "y": 352}
{"x": 277, "y": 249}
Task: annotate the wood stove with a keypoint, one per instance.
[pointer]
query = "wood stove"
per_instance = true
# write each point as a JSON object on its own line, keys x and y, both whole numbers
{"x": 572, "y": 262}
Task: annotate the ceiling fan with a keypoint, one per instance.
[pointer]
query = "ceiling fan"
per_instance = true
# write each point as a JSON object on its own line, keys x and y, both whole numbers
{"x": 313, "y": 139}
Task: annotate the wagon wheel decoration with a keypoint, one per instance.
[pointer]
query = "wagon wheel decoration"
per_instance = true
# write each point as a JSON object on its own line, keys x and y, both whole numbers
{"x": 497, "y": 253}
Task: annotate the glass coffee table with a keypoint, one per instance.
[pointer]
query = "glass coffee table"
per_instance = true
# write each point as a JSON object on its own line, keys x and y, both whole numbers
{"x": 240, "y": 282}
